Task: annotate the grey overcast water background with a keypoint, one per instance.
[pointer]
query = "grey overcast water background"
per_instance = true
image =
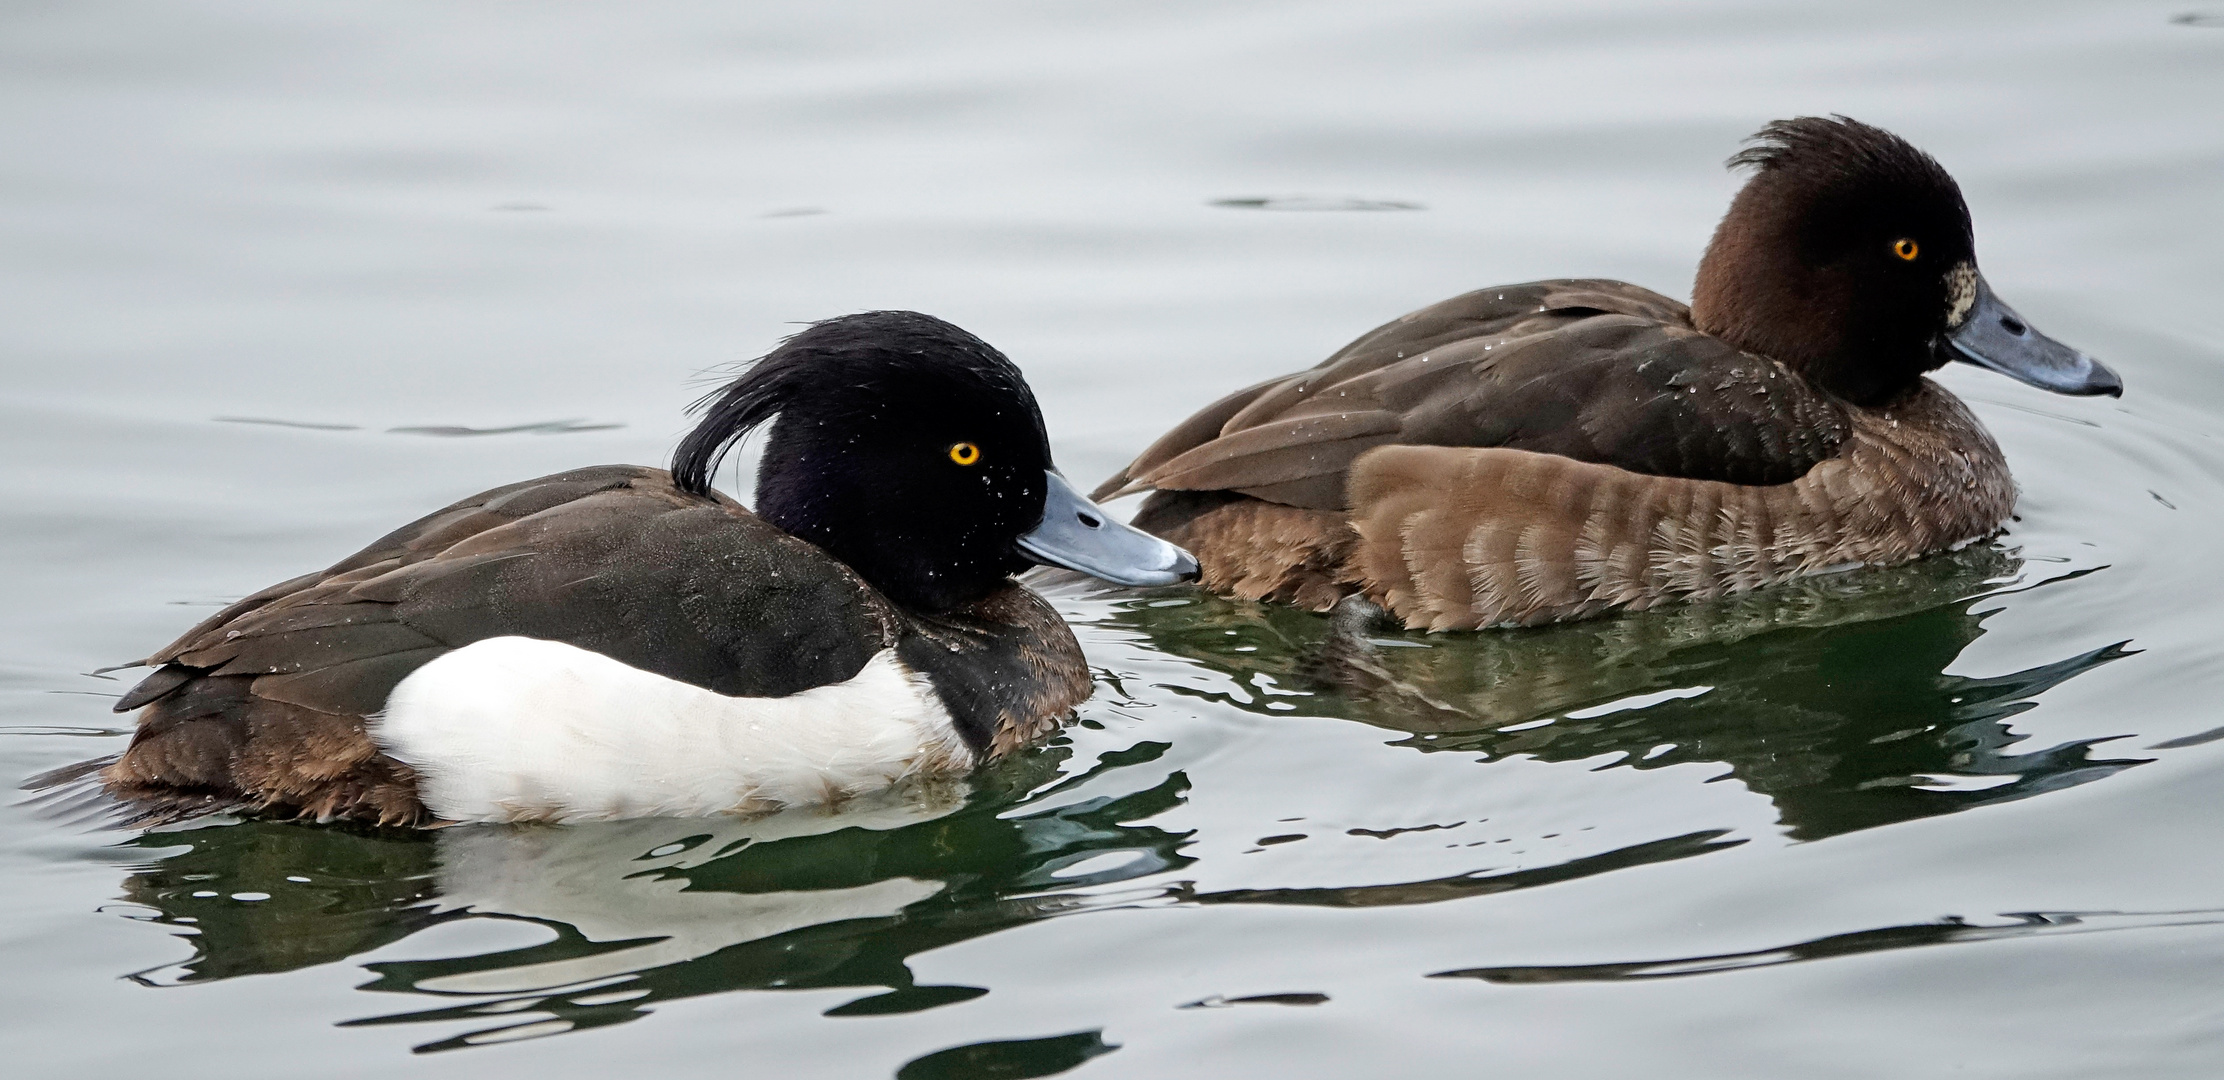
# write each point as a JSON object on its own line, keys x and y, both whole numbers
{"x": 277, "y": 277}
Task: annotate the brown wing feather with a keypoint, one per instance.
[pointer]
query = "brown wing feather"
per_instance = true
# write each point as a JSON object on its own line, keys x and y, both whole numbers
{"x": 421, "y": 539}
{"x": 1198, "y": 429}
{"x": 1298, "y": 461}
{"x": 1502, "y": 312}
{"x": 1596, "y": 371}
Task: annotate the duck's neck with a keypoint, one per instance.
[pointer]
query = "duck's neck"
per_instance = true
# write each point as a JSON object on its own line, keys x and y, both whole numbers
{"x": 1006, "y": 667}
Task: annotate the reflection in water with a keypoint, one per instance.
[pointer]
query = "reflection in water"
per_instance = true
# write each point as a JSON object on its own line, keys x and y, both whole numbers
{"x": 1458, "y": 886}
{"x": 1315, "y": 203}
{"x": 1944, "y": 932}
{"x": 1217, "y": 1001}
{"x": 1828, "y": 695}
{"x": 1830, "y": 699}
{"x": 542, "y": 427}
{"x": 1014, "y": 1058}
{"x": 642, "y": 911}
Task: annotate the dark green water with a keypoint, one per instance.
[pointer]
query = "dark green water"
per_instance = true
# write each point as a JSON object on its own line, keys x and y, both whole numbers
{"x": 277, "y": 277}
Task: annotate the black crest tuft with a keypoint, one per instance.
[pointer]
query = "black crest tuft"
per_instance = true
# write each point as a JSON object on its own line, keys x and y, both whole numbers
{"x": 906, "y": 448}
{"x": 861, "y": 361}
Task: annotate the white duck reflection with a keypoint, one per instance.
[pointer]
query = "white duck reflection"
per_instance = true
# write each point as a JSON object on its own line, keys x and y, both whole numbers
{"x": 620, "y": 882}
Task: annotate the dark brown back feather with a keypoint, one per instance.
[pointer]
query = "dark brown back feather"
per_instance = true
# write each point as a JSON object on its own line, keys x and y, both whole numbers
{"x": 1597, "y": 371}
{"x": 262, "y": 706}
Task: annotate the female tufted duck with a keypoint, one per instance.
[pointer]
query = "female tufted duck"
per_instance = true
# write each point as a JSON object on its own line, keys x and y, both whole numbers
{"x": 1555, "y": 450}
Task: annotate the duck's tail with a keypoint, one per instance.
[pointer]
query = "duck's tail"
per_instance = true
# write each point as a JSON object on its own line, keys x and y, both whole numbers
{"x": 79, "y": 794}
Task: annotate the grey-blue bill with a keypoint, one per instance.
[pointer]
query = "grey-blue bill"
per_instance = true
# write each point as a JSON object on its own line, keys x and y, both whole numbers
{"x": 1078, "y": 535}
{"x": 1994, "y": 336}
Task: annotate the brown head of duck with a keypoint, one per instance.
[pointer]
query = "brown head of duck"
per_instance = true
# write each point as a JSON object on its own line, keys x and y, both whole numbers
{"x": 1560, "y": 449}
{"x": 1850, "y": 259}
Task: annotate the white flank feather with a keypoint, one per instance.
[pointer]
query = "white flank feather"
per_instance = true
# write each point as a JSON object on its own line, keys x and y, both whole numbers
{"x": 518, "y": 729}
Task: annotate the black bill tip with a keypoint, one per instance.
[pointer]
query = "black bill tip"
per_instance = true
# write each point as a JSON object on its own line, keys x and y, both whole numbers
{"x": 1993, "y": 336}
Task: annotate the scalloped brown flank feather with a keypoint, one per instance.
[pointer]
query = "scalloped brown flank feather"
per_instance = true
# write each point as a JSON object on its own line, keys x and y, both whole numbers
{"x": 261, "y": 708}
{"x": 1311, "y": 487}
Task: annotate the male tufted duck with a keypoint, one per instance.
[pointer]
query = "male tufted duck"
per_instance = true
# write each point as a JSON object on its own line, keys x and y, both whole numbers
{"x": 621, "y": 641}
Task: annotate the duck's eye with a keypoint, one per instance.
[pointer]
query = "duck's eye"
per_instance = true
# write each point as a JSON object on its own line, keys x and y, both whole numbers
{"x": 965, "y": 453}
{"x": 1906, "y": 250}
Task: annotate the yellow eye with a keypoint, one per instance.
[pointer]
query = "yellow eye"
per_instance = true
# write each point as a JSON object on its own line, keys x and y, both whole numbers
{"x": 1906, "y": 249}
{"x": 965, "y": 453}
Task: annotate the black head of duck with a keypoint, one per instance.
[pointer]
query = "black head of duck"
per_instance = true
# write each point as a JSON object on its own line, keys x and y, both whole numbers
{"x": 914, "y": 453}
{"x": 1558, "y": 449}
{"x": 621, "y": 641}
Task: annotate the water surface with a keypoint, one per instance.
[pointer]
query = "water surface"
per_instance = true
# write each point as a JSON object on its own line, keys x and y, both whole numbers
{"x": 278, "y": 277}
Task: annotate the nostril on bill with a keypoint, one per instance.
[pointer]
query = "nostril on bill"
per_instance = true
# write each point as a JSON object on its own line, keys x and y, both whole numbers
{"x": 2013, "y": 326}
{"x": 1090, "y": 521}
